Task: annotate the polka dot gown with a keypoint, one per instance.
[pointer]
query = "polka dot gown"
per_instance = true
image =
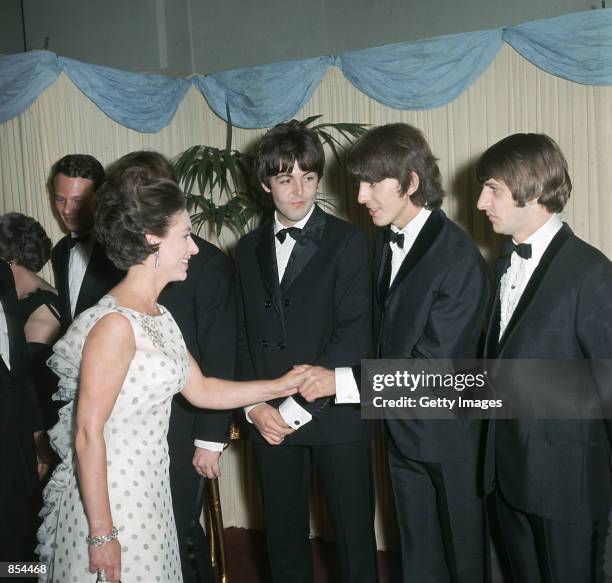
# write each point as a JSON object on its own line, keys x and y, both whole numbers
{"x": 137, "y": 456}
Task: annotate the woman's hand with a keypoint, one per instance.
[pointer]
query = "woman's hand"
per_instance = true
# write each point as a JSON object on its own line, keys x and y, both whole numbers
{"x": 108, "y": 558}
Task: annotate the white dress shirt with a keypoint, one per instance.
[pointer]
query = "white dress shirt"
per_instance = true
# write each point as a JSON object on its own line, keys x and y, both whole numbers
{"x": 78, "y": 261}
{"x": 516, "y": 278}
{"x": 346, "y": 387}
{"x": 294, "y": 415}
{"x": 5, "y": 349}
{"x": 209, "y": 445}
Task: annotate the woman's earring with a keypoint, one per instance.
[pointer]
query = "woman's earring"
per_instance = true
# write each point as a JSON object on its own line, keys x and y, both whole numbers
{"x": 156, "y": 259}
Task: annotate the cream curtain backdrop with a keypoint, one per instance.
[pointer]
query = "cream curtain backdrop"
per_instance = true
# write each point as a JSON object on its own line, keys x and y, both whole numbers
{"x": 511, "y": 96}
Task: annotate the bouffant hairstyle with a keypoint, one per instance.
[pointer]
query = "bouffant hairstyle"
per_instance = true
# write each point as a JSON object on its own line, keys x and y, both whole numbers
{"x": 153, "y": 166}
{"x": 131, "y": 204}
{"x": 394, "y": 151}
{"x": 531, "y": 166}
{"x": 79, "y": 166}
{"x": 24, "y": 241}
{"x": 283, "y": 146}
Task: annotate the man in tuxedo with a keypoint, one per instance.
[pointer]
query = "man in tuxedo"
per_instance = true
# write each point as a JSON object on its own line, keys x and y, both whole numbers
{"x": 21, "y": 424}
{"x": 430, "y": 300}
{"x": 304, "y": 297}
{"x": 203, "y": 306}
{"x": 553, "y": 300}
{"x": 83, "y": 273}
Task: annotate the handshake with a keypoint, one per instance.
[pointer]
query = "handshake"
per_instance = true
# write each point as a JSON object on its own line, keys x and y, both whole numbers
{"x": 312, "y": 383}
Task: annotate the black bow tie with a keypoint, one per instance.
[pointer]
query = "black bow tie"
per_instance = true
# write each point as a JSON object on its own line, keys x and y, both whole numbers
{"x": 522, "y": 249}
{"x": 393, "y": 237}
{"x": 76, "y": 240}
{"x": 293, "y": 232}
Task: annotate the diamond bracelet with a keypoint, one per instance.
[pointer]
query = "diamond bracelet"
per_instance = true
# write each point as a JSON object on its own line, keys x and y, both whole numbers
{"x": 98, "y": 541}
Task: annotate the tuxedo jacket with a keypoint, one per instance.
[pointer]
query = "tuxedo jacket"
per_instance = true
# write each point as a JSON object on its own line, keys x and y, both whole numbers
{"x": 557, "y": 469}
{"x": 101, "y": 275}
{"x": 204, "y": 308}
{"x": 320, "y": 315}
{"x": 435, "y": 308}
{"x": 20, "y": 413}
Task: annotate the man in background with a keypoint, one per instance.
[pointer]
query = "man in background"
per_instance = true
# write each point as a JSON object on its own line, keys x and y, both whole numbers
{"x": 83, "y": 273}
{"x": 21, "y": 425}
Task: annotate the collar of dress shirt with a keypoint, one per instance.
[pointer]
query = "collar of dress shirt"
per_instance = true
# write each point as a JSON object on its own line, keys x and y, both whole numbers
{"x": 89, "y": 232}
{"x": 540, "y": 240}
{"x": 413, "y": 228}
{"x": 300, "y": 224}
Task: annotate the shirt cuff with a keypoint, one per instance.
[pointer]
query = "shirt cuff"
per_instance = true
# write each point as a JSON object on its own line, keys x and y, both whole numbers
{"x": 209, "y": 445}
{"x": 346, "y": 387}
{"x": 247, "y": 410}
{"x": 294, "y": 415}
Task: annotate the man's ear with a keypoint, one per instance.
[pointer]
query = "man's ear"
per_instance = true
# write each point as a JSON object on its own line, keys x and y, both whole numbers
{"x": 414, "y": 184}
{"x": 265, "y": 187}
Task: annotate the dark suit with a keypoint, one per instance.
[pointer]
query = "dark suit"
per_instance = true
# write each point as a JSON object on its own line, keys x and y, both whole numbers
{"x": 319, "y": 315}
{"x": 101, "y": 275}
{"x": 556, "y": 474}
{"x": 204, "y": 308}
{"x": 435, "y": 308}
{"x": 20, "y": 417}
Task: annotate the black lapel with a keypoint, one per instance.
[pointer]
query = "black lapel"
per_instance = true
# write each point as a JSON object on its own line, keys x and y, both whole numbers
{"x": 428, "y": 234}
{"x": 492, "y": 339}
{"x": 535, "y": 280}
{"x": 305, "y": 247}
{"x": 383, "y": 266}
{"x": 63, "y": 290}
{"x": 266, "y": 258}
{"x": 14, "y": 323}
{"x": 5, "y": 373}
{"x": 93, "y": 280}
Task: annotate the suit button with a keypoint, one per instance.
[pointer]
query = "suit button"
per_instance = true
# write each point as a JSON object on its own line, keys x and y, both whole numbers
{"x": 264, "y": 344}
{"x": 281, "y": 345}
{"x": 267, "y": 303}
{"x": 286, "y": 303}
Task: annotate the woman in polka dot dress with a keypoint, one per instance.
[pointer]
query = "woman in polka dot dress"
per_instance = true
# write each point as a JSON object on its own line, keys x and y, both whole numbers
{"x": 108, "y": 506}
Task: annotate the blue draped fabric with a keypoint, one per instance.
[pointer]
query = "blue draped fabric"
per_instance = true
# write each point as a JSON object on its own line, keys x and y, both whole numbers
{"x": 423, "y": 74}
{"x": 263, "y": 95}
{"x": 417, "y": 75}
{"x": 577, "y": 47}
{"x": 145, "y": 103}
{"x": 23, "y": 77}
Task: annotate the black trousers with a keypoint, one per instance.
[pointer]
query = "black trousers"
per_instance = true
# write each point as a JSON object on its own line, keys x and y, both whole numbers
{"x": 442, "y": 521}
{"x": 541, "y": 550}
{"x": 346, "y": 478}
{"x": 193, "y": 542}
